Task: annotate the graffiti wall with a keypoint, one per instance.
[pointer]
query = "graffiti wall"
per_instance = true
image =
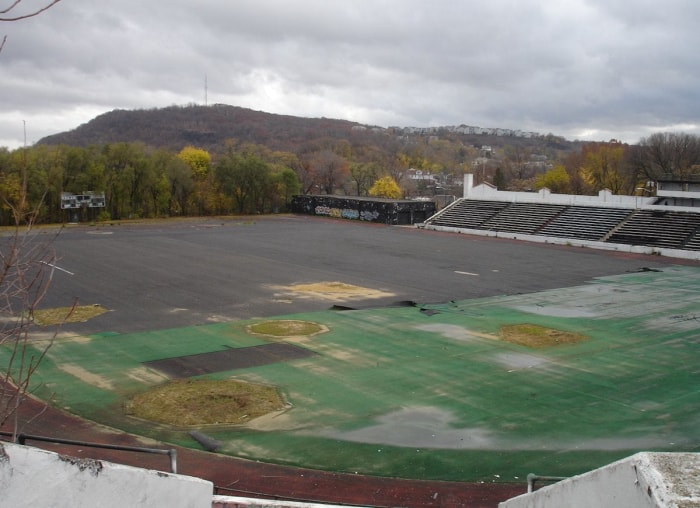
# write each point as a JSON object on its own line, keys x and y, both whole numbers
{"x": 387, "y": 211}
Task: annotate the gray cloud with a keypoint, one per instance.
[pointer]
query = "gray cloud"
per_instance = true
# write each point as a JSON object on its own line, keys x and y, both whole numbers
{"x": 595, "y": 69}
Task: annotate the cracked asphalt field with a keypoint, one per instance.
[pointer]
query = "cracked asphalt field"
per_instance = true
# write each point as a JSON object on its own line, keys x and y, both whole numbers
{"x": 172, "y": 273}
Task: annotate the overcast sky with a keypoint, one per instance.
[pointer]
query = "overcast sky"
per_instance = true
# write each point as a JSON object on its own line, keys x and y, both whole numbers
{"x": 589, "y": 70}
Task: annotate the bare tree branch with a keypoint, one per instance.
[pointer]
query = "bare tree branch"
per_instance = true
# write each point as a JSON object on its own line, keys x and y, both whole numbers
{"x": 24, "y": 16}
{"x": 14, "y": 4}
{"x": 26, "y": 271}
{"x": 24, "y": 281}
{"x": 8, "y": 10}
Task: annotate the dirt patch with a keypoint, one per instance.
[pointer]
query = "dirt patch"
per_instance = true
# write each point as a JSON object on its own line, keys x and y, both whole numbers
{"x": 536, "y": 336}
{"x": 60, "y": 315}
{"x": 334, "y": 291}
{"x": 206, "y": 402}
{"x": 286, "y": 328}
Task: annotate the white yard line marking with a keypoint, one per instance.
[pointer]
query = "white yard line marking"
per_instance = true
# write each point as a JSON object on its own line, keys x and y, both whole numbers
{"x": 56, "y": 267}
{"x": 467, "y": 273}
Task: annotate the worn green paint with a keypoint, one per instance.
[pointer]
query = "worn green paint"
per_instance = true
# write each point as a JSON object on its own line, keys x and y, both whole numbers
{"x": 401, "y": 392}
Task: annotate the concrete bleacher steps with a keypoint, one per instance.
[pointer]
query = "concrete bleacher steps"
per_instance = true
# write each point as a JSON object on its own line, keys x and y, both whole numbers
{"x": 525, "y": 218}
{"x": 657, "y": 228}
{"x": 468, "y": 214}
{"x": 585, "y": 223}
{"x": 693, "y": 242}
{"x": 667, "y": 229}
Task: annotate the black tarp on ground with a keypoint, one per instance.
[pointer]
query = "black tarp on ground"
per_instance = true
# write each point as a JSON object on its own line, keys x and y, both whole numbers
{"x": 228, "y": 359}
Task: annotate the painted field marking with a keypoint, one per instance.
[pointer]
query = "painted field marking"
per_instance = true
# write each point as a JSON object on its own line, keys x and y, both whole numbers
{"x": 56, "y": 267}
{"x": 467, "y": 273}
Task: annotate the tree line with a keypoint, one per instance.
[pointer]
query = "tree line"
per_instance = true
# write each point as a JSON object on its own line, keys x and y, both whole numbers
{"x": 243, "y": 178}
{"x": 140, "y": 182}
{"x": 622, "y": 168}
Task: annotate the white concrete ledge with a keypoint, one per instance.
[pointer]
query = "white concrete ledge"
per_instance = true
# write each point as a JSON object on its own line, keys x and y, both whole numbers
{"x": 616, "y": 247}
{"x": 249, "y": 502}
{"x": 31, "y": 477}
{"x": 644, "y": 480}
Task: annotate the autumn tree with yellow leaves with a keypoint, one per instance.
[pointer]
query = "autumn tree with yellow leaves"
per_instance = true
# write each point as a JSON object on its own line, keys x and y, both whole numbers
{"x": 556, "y": 180}
{"x": 603, "y": 166}
{"x": 197, "y": 159}
{"x": 204, "y": 194}
{"x": 386, "y": 187}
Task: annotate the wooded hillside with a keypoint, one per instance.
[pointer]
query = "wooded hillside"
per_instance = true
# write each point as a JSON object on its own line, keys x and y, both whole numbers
{"x": 207, "y": 127}
{"x": 213, "y": 127}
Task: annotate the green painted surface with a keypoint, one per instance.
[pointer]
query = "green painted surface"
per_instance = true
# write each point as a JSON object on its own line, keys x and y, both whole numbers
{"x": 409, "y": 393}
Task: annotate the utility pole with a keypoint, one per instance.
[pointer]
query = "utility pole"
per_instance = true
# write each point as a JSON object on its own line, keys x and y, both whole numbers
{"x": 206, "y": 90}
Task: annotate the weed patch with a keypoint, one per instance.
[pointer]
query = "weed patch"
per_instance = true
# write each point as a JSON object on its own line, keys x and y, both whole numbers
{"x": 205, "y": 402}
{"x": 536, "y": 336}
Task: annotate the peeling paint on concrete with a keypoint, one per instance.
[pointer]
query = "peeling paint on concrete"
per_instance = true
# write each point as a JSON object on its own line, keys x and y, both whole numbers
{"x": 94, "y": 467}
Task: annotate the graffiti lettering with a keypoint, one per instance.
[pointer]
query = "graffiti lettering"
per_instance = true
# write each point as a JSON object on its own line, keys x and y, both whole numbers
{"x": 346, "y": 213}
{"x": 349, "y": 213}
{"x": 370, "y": 216}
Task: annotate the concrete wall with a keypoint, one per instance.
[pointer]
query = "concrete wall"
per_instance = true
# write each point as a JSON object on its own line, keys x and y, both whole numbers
{"x": 668, "y": 196}
{"x": 640, "y": 481}
{"x": 386, "y": 211}
{"x": 603, "y": 199}
{"x": 30, "y": 477}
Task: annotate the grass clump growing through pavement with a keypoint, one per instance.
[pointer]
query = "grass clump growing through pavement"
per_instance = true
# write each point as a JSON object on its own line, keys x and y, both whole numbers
{"x": 60, "y": 315}
{"x": 205, "y": 402}
{"x": 536, "y": 336}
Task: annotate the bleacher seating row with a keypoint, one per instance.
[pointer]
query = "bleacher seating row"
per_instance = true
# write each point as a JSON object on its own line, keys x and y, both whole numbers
{"x": 656, "y": 228}
{"x": 468, "y": 214}
{"x": 585, "y": 223}
{"x": 526, "y": 218}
